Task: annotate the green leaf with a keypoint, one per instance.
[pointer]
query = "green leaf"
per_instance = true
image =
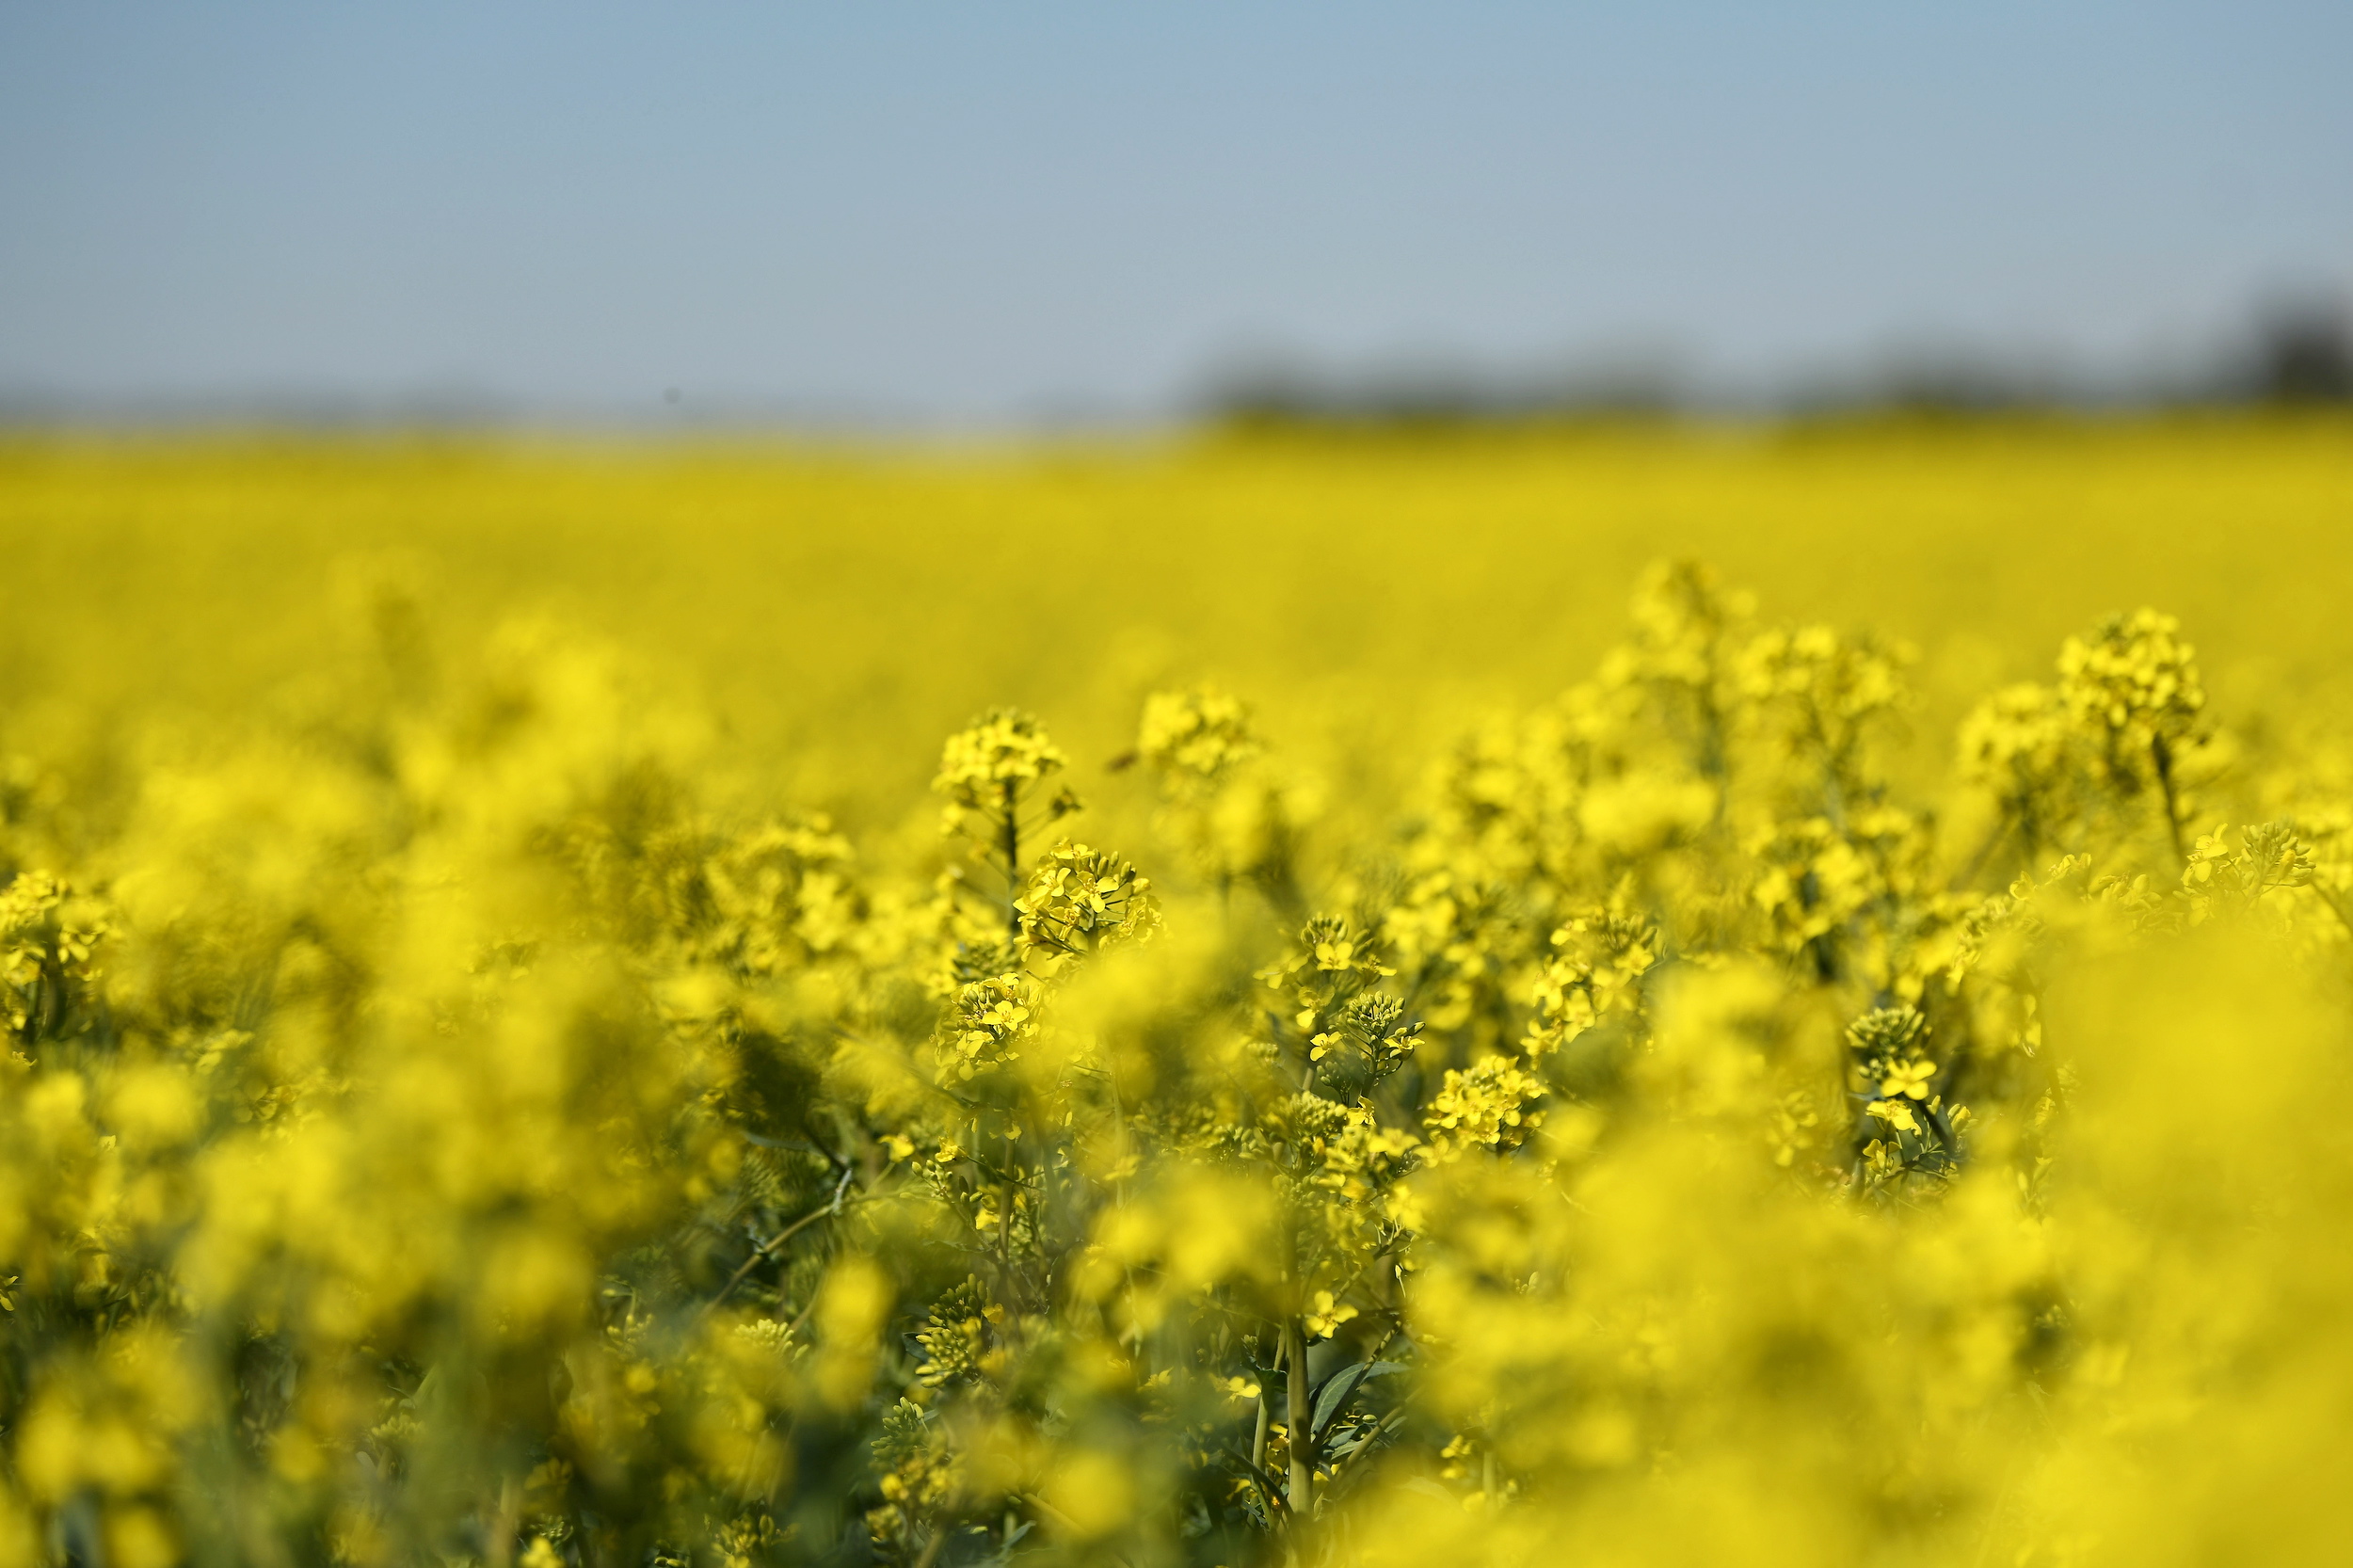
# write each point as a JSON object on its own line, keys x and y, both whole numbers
{"x": 1340, "y": 1386}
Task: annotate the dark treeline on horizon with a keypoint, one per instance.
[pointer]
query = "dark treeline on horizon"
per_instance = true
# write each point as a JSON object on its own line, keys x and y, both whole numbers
{"x": 2299, "y": 356}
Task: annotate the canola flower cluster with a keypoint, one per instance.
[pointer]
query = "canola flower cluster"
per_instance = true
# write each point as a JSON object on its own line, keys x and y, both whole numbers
{"x": 453, "y": 1128}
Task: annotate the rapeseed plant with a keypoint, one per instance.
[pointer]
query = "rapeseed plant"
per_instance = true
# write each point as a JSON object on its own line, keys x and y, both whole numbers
{"x": 458, "y": 1123}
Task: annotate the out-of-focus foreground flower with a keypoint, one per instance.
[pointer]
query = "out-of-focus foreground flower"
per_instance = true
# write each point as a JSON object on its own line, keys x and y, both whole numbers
{"x": 442, "y": 1125}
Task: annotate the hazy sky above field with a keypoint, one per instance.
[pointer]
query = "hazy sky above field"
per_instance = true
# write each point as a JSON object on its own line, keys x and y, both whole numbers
{"x": 985, "y": 212}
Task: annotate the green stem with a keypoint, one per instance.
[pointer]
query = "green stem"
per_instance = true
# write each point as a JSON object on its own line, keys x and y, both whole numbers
{"x": 1010, "y": 842}
{"x": 1302, "y": 1417}
{"x": 769, "y": 1246}
{"x": 1005, "y": 1214}
{"x": 2164, "y": 761}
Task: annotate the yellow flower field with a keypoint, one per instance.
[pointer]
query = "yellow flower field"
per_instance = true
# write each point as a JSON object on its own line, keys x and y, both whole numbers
{"x": 1615, "y": 995}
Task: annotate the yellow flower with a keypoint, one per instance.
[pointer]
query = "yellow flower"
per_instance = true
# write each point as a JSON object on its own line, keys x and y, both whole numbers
{"x": 1909, "y": 1079}
{"x": 1324, "y": 1315}
{"x": 1895, "y": 1112}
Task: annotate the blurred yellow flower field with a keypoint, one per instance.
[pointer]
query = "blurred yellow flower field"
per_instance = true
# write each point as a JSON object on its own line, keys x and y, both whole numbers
{"x": 1603, "y": 994}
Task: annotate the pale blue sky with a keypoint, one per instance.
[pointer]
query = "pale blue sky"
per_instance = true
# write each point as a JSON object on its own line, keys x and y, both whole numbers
{"x": 980, "y": 211}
